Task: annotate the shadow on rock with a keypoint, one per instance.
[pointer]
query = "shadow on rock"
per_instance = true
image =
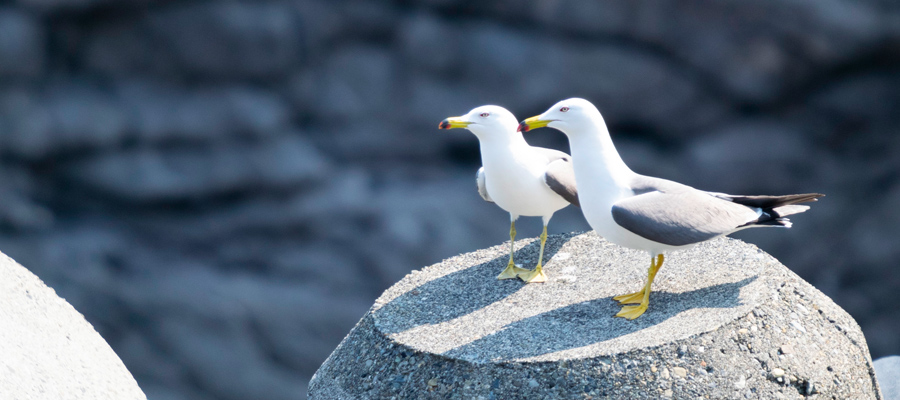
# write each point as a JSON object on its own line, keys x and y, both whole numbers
{"x": 461, "y": 292}
{"x": 590, "y": 322}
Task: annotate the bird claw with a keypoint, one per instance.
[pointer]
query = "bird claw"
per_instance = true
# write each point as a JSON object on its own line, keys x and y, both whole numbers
{"x": 511, "y": 272}
{"x": 535, "y": 276}
{"x": 632, "y": 312}
{"x": 631, "y": 298}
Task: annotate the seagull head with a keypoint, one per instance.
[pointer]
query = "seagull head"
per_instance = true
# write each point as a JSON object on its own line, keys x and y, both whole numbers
{"x": 569, "y": 116}
{"x": 484, "y": 121}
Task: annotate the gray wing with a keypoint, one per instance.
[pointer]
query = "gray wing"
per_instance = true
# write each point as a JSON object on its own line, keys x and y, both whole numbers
{"x": 482, "y": 188}
{"x": 560, "y": 175}
{"x": 674, "y": 214}
{"x": 552, "y": 155}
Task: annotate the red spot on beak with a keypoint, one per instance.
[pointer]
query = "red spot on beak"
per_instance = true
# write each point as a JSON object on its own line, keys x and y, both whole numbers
{"x": 444, "y": 124}
{"x": 523, "y": 127}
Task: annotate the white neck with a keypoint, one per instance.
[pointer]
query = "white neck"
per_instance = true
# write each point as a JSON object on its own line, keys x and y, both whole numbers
{"x": 495, "y": 142}
{"x": 595, "y": 157}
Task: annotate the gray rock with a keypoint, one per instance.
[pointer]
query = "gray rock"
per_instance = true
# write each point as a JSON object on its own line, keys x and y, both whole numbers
{"x": 22, "y": 45}
{"x": 150, "y": 175}
{"x": 425, "y": 34}
{"x": 753, "y": 157}
{"x": 165, "y": 113}
{"x": 837, "y": 101}
{"x": 72, "y": 118}
{"x": 624, "y": 82}
{"x": 872, "y": 232}
{"x": 49, "y": 350}
{"x": 20, "y": 211}
{"x": 453, "y": 324}
{"x": 63, "y": 6}
{"x": 355, "y": 81}
{"x": 750, "y": 56}
{"x": 888, "y": 371}
{"x": 365, "y": 19}
{"x": 251, "y": 316}
{"x": 429, "y": 100}
{"x": 444, "y": 3}
{"x": 223, "y": 40}
{"x": 320, "y": 22}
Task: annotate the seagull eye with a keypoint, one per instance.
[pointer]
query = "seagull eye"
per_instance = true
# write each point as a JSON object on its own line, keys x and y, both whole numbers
{"x": 564, "y": 109}
{"x": 485, "y": 115}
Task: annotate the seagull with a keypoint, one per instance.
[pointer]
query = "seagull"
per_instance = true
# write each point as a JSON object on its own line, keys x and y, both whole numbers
{"x": 523, "y": 180}
{"x": 646, "y": 213}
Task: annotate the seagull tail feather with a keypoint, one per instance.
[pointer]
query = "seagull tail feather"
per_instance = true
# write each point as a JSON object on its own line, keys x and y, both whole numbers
{"x": 771, "y": 202}
{"x": 784, "y": 211}
{"x": 776, "y": 216}
{"x": 777, "y": 222}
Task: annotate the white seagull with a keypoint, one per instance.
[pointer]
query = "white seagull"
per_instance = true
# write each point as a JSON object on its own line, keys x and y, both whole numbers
{"x": 647, "y": 213}
{"x": 521, "y": 179}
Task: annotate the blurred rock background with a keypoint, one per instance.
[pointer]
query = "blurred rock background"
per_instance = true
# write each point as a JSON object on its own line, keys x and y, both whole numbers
{"x": 223, "y": 187}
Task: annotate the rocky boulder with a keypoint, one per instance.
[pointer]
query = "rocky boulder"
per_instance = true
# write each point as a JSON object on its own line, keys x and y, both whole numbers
{"x": 726, "y": 320}
{"x": 48, "y": 350}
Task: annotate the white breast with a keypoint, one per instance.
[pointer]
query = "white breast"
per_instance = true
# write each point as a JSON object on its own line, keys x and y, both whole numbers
{"x": 515, "y": 181}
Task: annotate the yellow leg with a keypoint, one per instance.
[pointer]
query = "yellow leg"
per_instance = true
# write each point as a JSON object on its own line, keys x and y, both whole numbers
{"x": 632, "y": 312}
{"x": 537, "y": 275}
{"x": 511, "y": 271}
{"x": 637, "y": 297}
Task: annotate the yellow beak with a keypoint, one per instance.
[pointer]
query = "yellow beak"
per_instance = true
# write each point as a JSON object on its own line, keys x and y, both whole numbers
{"x": 453, "y": 122}
{"x": 533, "y": 123}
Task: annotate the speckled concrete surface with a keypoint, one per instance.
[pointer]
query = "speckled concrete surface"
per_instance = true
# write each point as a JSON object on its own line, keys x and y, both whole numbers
{"x": 726, "y": 320}
{"x": 48, "y": 350}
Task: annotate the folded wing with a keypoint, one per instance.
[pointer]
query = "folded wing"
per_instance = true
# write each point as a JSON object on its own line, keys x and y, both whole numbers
{"x": 480, "y": 185}
{"x": 674, "y": 214}
{"x": 560, "y": 175}
{"x": 680, "y": 218}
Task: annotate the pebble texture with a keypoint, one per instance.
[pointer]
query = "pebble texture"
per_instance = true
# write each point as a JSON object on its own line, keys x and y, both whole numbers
{"x": 726, "y": 320}
{"x": 47, "y": 349}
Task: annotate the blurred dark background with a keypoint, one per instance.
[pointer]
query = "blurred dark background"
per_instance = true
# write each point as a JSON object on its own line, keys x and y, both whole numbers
{"x": 223, "y": 187}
